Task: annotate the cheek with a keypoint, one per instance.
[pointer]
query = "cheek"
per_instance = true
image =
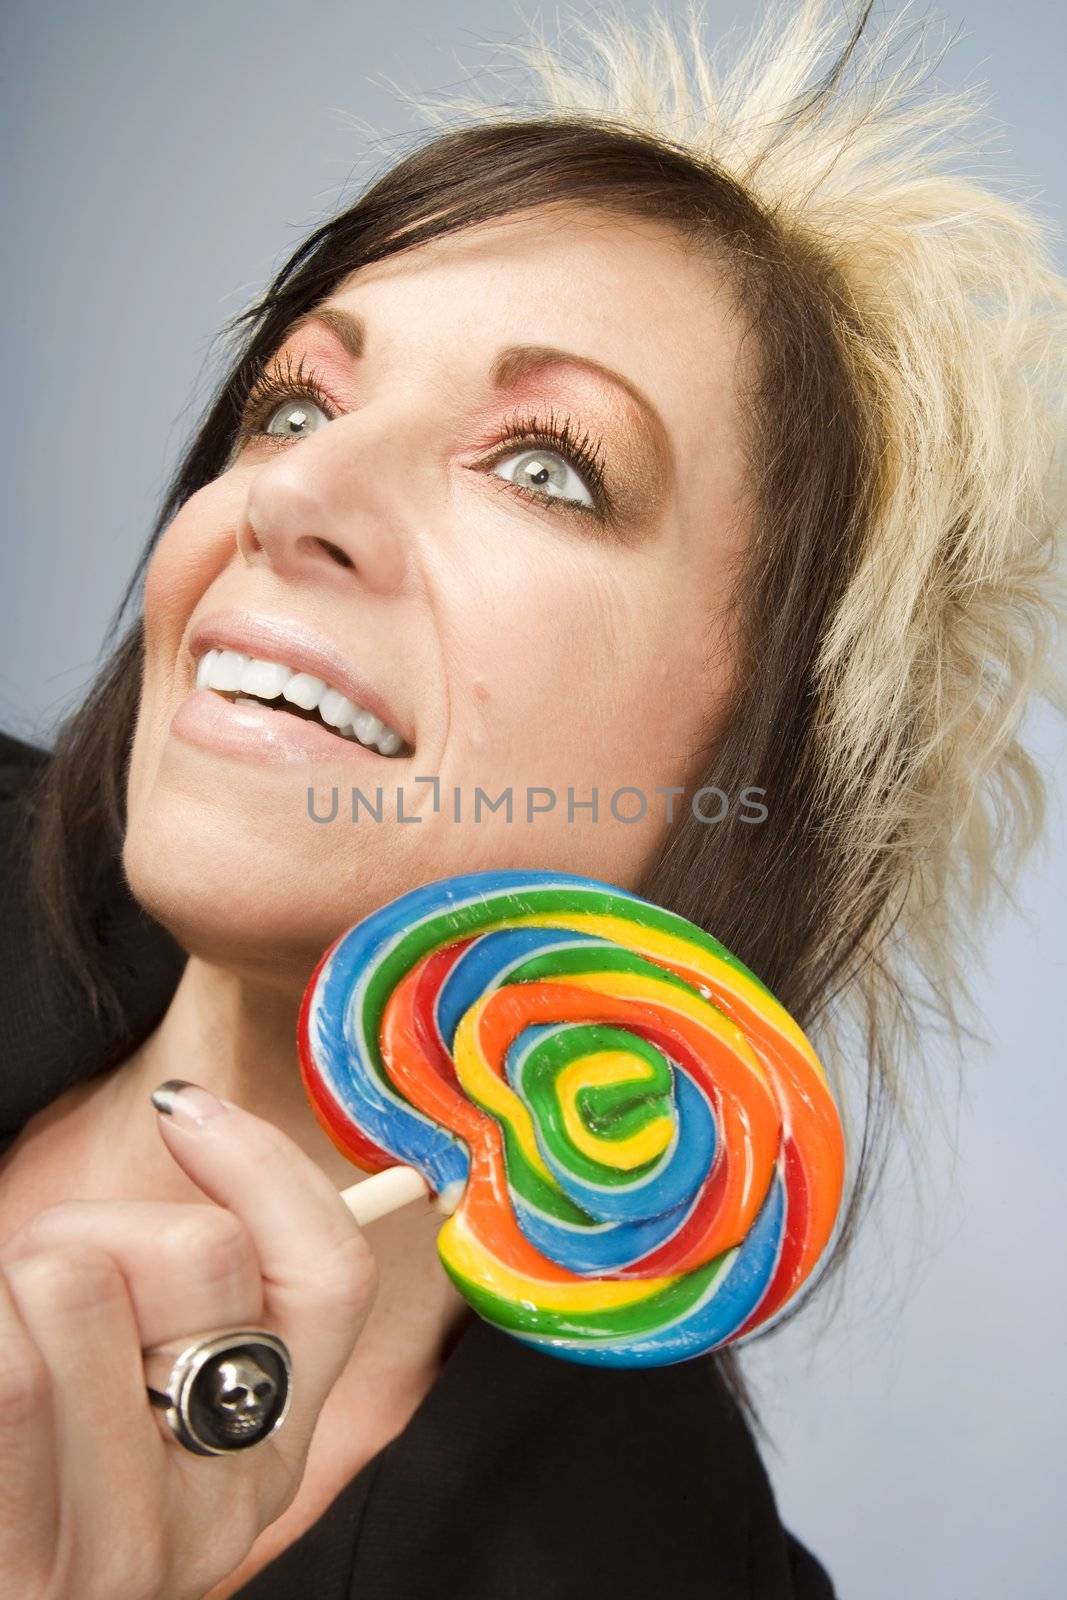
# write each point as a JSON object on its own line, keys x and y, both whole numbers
{"x": 188, "y": 556}
{"x": 590, "y": 672}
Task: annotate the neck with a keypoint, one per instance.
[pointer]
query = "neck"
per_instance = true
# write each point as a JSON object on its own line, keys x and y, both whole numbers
{"x": 238, "y": 1040}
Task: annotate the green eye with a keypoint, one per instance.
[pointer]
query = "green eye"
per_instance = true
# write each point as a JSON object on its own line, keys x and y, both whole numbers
{"x": 548, "y": 475}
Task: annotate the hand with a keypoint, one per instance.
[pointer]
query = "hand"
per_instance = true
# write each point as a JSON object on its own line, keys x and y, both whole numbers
{"x": 97, "y": 1500}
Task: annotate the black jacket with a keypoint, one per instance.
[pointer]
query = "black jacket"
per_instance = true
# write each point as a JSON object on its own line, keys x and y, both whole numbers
{"x": 519, "y": 1476}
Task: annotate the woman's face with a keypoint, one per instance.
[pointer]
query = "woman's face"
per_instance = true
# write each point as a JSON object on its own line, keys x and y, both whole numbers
{"x": 523, "y": 626}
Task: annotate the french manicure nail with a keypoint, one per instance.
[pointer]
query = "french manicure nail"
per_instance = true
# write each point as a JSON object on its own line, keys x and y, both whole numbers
{"x": 187, "y": 1103}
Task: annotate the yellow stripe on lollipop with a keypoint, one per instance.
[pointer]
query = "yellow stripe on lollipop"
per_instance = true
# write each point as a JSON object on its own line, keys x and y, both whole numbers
{"x": 490, "y": 1090}
{"x": 666, "y": 996}
{"x": 610, "y": 1067}
{"x": 464, "y": 1251}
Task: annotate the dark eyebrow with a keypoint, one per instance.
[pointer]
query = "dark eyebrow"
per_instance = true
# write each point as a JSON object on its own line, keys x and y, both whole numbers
{"x": 349, "y": 329}
{"x": 510, "y": 366}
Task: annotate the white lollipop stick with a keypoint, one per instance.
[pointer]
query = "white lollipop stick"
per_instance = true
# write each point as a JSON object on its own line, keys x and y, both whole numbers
{"x": 389, "y": 1190}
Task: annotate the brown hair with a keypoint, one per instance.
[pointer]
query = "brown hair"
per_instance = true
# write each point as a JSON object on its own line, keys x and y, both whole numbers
{"x": 864, "y": 759}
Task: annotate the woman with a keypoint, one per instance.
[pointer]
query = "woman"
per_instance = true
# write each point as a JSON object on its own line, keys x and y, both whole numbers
{"x": 779, "y": 520}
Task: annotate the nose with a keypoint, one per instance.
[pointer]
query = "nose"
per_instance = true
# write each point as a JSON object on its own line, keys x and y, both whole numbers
{"x": 337, "y": 499}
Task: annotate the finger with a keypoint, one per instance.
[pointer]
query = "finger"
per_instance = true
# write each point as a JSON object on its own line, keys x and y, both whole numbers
{"x": 187, "y": 1266}
{"x": 29, "y": 1503}
{"x": 319, "y": 1276}
{"x": 109, "y": 1447}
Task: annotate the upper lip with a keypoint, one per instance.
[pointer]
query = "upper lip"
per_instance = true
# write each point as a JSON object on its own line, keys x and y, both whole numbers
{"x": 287, "y": 640}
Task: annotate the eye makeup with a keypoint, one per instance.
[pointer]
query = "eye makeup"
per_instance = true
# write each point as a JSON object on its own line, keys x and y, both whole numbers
{"x": 277, "y": 382}
{"x": 283, "y": 380}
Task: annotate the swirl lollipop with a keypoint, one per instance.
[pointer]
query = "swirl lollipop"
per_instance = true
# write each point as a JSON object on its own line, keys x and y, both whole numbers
{"x": 637, "y": 1144}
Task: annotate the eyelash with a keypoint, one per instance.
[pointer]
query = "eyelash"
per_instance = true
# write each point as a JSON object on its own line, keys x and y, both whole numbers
{"x": 278, "y": 383}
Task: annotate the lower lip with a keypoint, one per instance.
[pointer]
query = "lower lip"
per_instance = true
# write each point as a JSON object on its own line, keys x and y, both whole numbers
{"x": 210, "y": 720}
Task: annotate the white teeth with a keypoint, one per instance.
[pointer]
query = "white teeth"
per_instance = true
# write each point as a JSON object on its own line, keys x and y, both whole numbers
{"x": 336, "y": 709}
{"x": 304, "y": 690}
{"x": 266, "y": 679}
{"x": 226, "y": 673}
{"x": 233, "y": 672}
{"x": 369, "y": 728}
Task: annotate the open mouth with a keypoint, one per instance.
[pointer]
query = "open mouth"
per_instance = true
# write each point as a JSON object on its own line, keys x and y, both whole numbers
{"x": 276, "y": 687}
{"x": 287, "y": 709}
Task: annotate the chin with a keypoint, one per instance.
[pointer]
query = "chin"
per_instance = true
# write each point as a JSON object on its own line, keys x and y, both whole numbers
{"x": 226, "y": 895}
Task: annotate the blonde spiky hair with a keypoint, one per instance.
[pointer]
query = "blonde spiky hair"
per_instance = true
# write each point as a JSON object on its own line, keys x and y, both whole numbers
{"x": 957, "y": 336}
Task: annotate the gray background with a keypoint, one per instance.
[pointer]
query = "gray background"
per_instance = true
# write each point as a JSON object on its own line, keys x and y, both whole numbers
{"x": 161, "y": 161}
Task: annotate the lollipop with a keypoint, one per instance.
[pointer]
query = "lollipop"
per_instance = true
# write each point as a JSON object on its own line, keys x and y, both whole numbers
{"x": 636, "y": 1144}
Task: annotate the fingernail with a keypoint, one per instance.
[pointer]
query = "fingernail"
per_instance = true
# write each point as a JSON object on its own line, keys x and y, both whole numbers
{"x": 187, "y": 1103}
